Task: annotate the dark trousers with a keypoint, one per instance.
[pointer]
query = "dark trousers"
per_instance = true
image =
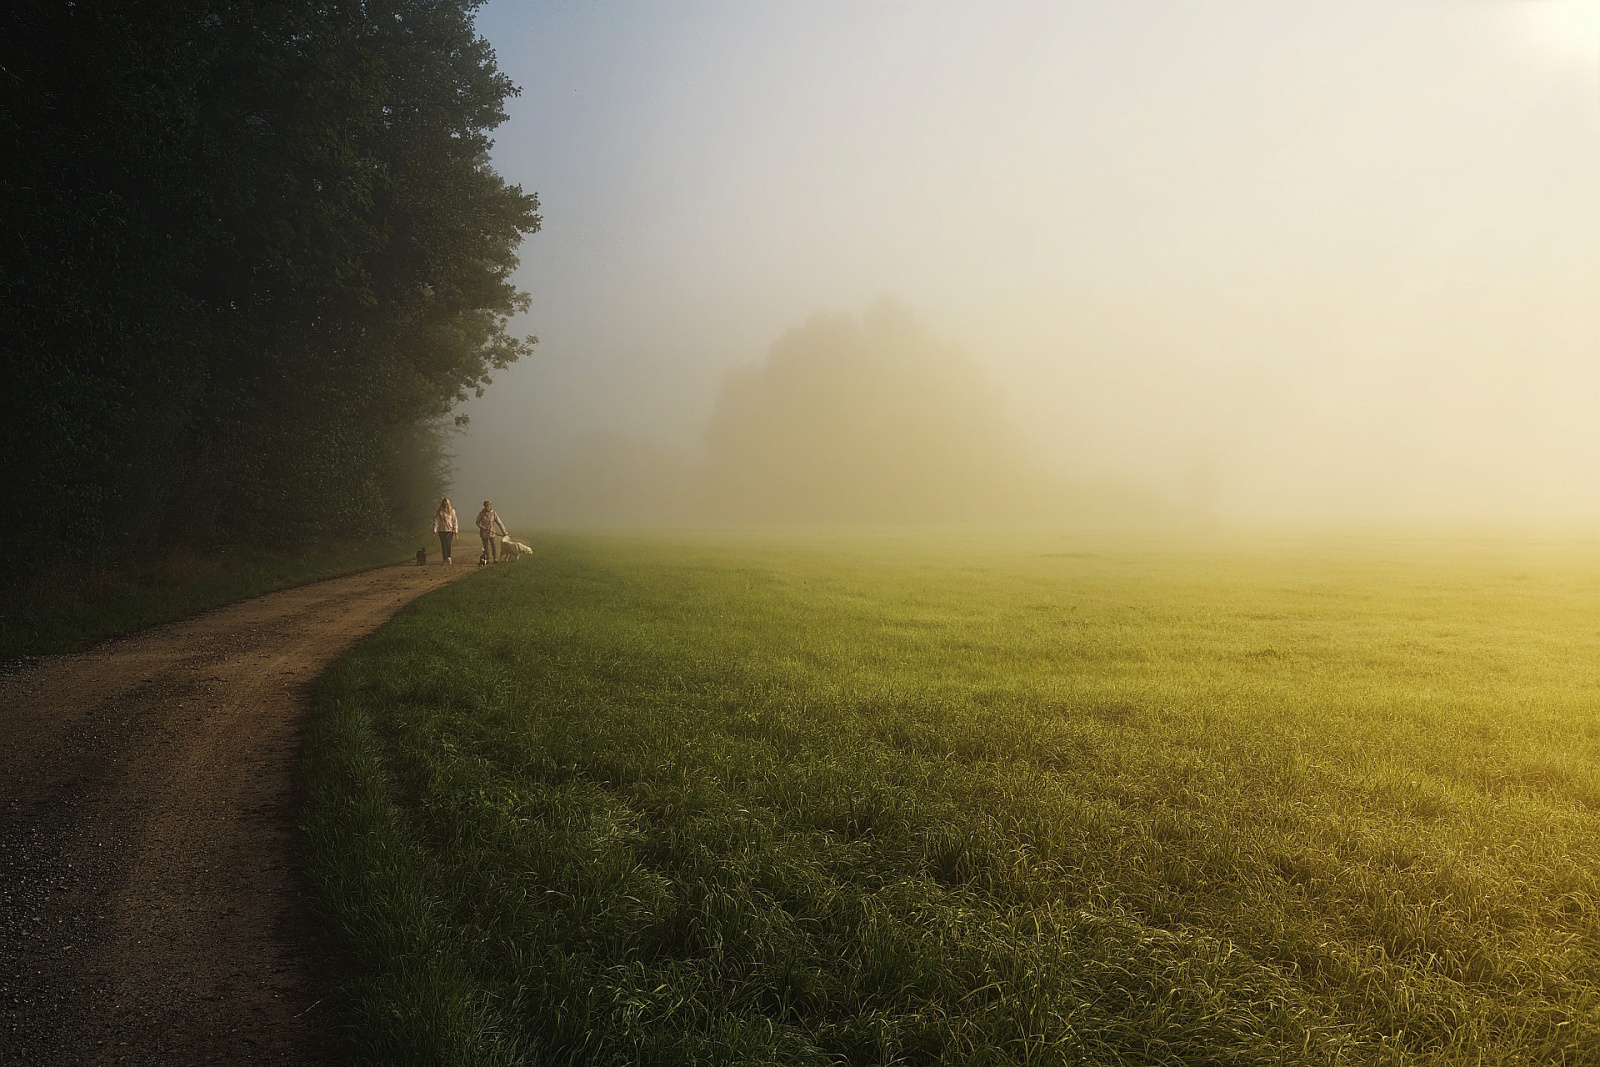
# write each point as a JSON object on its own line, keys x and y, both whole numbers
{"x": 491, "y": 547}
{"x": 445, "y": 537}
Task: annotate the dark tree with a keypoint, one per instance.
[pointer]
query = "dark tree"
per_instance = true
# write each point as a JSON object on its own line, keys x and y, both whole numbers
{"x": 249, "y": 253}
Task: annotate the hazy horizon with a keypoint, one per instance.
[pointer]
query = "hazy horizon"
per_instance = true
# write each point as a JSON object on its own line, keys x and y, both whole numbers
{"x": 1255, "y": 261}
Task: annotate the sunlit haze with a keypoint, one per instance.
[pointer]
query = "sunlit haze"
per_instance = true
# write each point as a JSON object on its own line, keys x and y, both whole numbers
{"x": 1240, "y": 260}
{"x": 1568, "y": 25}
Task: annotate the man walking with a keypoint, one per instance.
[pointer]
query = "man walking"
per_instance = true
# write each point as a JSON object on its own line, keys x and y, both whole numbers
{"x": 488, "y": 523}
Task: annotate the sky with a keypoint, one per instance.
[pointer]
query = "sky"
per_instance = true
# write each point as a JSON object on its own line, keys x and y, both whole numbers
{"x": 1265, "y": 260}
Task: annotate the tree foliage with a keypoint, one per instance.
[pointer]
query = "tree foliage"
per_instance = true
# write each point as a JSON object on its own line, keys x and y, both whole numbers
{"x": 252, "y": 252}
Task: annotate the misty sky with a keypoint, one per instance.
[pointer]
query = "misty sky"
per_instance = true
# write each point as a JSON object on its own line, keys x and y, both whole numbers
{"x": 1285, "y": 260}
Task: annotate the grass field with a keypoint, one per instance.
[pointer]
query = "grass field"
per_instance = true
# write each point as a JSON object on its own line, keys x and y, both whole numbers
{"x": 1055, "y": 800}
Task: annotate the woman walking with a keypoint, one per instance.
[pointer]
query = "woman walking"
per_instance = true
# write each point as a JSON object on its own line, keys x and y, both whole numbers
{"x": 444, "y": 524}
{"x": 488, "y": 523}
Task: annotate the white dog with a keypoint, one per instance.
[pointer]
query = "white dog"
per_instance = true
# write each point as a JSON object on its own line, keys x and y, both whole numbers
{"x": 510, "y": 550}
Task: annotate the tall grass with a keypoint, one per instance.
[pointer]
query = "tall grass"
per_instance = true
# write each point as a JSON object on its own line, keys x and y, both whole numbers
{"x": 768, "y": 801}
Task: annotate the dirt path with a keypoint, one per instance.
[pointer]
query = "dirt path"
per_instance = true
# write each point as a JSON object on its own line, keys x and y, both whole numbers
{"x": 151, "y": 906}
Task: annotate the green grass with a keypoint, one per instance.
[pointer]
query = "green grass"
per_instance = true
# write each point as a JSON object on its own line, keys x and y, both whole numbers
{"x": 767, "y": 800}
{"x": 78, "y": 603}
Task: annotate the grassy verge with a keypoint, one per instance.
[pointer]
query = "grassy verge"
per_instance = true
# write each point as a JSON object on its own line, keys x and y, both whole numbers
{"x": 76, "y": 605}
{"x": 645, "y": 801}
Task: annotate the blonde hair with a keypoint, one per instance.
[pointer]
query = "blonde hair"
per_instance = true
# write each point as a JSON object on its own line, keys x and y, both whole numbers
{"x": 445, "y": 505}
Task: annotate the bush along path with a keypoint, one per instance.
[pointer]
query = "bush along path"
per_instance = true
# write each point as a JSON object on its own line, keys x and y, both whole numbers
{"x": 151, "y": 905}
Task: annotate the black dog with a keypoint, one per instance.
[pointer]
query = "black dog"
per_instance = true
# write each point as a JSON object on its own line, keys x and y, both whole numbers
{"x": 422, "y": 557}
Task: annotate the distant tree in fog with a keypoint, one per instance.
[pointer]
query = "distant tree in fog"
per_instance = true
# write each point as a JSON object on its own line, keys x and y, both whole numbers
{"x": 867, "y": 420}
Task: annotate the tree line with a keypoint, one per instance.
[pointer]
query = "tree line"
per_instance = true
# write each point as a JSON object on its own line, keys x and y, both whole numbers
{"x": 253, "y": 255}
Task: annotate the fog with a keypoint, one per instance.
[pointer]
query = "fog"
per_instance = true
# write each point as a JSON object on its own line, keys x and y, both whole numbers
{"x": 862, "y": 261}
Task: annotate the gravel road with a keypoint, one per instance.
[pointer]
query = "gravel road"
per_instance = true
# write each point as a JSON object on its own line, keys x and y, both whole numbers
{"x": 152, "y": 909}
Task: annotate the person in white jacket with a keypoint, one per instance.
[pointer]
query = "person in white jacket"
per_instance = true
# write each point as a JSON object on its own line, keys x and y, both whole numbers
{"x": 444, "y": 524}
